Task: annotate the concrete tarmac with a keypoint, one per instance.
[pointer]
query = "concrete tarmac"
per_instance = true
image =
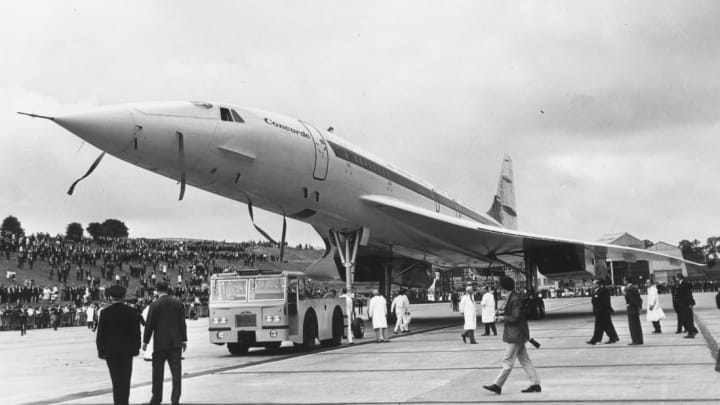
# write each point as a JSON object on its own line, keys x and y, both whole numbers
{"x": 430, "y": 365}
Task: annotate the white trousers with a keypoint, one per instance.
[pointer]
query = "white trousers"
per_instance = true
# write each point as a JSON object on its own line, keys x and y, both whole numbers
{"x": 400, "y": 323}
{"x": 513, "y": 351}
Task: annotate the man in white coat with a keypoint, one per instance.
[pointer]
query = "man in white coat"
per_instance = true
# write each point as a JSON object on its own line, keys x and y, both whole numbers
{"x": 377, "y": 312}
{"x": 147, "y": 355}
{"x": 90, "y": 316}
{"x": 467, "y": 307}
{"x": 487, "y": 306}
{"x": 401, "y": 306}
{"x": 654, "y": 310}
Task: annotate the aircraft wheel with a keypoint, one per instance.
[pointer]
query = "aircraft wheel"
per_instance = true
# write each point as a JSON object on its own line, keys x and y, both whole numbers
{"x": 237, "y": 349}
{"x": 358, "y": 328}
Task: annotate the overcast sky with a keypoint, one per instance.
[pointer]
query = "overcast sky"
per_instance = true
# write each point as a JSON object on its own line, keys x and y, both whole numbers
{"x": 610, "y": 110}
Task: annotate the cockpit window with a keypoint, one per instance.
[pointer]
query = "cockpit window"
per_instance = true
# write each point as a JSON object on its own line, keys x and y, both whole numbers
{"x": 225, "y": 114}
{"x": 237, "y": 116}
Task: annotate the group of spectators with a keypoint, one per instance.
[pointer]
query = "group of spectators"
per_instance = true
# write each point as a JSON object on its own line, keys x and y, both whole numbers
{"x": 696, "y": 286}
{"x": 79, "y": 271}
{"x": 62, "y": 253}
{"x": 41, "y": 316}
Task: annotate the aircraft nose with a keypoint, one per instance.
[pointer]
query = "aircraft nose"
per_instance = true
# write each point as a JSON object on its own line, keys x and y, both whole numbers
{"x": 109, "y": 128}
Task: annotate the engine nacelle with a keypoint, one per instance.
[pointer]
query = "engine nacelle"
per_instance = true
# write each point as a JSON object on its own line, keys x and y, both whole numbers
{"x": 405, "y": 272}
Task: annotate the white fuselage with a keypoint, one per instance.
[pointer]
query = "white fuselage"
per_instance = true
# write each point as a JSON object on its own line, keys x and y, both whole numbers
{"x": 277, "y": 163}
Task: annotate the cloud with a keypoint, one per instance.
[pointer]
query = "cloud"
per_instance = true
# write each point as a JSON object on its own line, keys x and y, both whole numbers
{"x": 609, "y": 110}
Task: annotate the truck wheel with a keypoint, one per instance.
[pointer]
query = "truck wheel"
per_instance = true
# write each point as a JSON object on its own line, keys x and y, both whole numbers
{"x": 337, "y": 329}
{"x": 358, "y": 328}
{"x": 237, "y": 349}
{"x": 309, "y": 331}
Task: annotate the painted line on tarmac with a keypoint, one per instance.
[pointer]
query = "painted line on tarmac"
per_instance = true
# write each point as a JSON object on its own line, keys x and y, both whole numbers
{"x": 106, "y": 391}
{"x": 493, "y": 367}
{"x": 223, "y": 370}
{"x": 484, "y": 349}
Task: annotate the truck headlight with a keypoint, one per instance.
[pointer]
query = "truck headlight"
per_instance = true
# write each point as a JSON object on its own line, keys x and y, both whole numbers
{"x": 277, "y": 318}
{"x": 215, "y": 320}
{"x": 223, "y": 320}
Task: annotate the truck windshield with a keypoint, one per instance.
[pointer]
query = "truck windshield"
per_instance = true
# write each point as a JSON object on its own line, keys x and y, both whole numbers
{"x": 268, "y": 289}
{"x": 229, "y": 290}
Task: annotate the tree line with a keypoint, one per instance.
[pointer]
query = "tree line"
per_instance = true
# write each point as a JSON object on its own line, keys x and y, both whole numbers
{"x": 110, "y": 228}
{"x": 113, "y": 228}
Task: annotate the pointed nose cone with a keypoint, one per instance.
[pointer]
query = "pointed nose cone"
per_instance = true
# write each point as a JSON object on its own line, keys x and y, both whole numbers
{"x": 109, "y": 128}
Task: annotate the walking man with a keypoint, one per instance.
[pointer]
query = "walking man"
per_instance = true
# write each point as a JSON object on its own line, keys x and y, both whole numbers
{"x": 634, "y": 306}
{"x": 148, "y": 349}
{"x": 515, "y": 334}
{"x": 401, "y": 306}
{"x": 602, "y": 308}
{"x": 488, "y": 308}
{"x": 467, "y": 307}
{"x": 377, "y": 311}
{"x": 685, "y": 305}
{"x": 118, "y": 341}
{"x": 166, "y": 326}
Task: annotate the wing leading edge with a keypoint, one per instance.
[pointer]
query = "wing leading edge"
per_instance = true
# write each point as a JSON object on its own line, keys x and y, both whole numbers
{"x": 554, "y": 256}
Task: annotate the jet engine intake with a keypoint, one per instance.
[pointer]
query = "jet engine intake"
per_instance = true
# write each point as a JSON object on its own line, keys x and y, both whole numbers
{"x": 404, "y": 272}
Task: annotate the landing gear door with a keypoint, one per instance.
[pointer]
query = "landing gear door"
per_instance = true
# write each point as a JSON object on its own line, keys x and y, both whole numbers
{"x": 321, "y": 152}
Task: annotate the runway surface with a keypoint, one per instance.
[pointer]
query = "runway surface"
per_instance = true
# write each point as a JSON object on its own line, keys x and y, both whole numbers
{"x": 431, "y": 365}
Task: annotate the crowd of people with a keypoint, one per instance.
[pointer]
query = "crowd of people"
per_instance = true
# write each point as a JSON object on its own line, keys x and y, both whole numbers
{"x": 80, "y": 271}
{"x": 63, "y": 253}
{"x": 682, "y": 302}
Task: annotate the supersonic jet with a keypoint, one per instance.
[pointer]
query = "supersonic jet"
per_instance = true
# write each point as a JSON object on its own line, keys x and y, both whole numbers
{"x": 378, "y": 222}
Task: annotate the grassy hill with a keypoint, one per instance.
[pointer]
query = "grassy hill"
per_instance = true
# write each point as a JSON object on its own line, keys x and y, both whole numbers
{"x": 295, "y": 259}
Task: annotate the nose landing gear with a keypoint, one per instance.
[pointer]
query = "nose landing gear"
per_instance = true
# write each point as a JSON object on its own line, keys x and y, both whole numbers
{"x": 347, "y": 244}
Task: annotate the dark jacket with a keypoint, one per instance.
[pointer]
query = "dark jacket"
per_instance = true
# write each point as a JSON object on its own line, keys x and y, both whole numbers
{"x": 674, "y": 293}
{"x": 684, "y": 295}
{"x": 166, "y": 320}
{"x": 516, "y": 327}
{"x": 118, "y": 332}
{"x": 601, "y": 301}
{"x": 633, "y": 300}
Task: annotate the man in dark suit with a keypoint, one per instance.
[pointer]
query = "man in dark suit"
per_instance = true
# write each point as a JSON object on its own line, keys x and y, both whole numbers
{"x": 685, "y": 304}
{"x": 674, "y": 291}
{"x": 118, "y": 341}
{"x": 602, "y": 308}
{"x": 166, "y": 325}
{"x": 634, "y": 306}
{"x": 515, "y": 334}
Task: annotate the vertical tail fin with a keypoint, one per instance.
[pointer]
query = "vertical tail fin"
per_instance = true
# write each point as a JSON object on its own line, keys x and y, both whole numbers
{"x": 503, "y": 206}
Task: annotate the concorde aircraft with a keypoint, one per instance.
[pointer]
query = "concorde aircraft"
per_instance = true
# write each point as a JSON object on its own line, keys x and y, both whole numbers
{"x": 378, "y": 222}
